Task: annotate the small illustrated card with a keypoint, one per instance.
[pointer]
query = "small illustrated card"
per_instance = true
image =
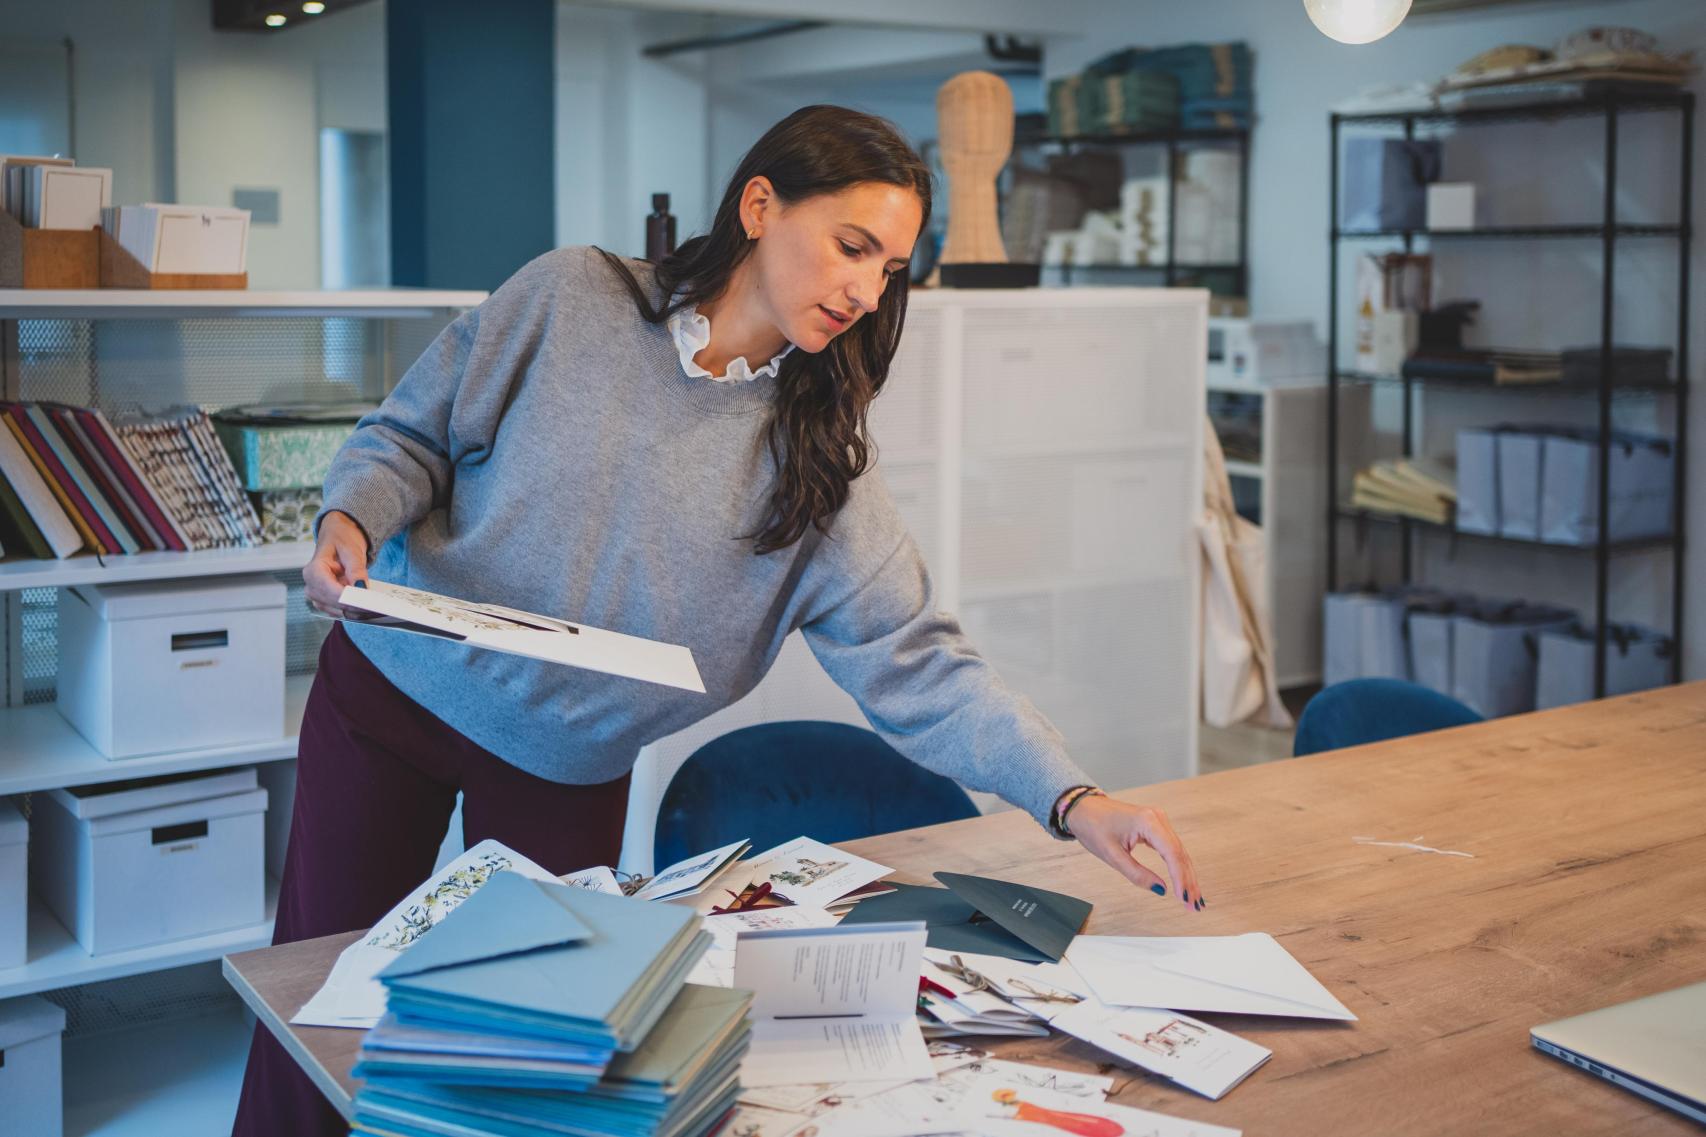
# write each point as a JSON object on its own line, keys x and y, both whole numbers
{"x": 1199, "y": 1057}
{"x": 813, "y": 874}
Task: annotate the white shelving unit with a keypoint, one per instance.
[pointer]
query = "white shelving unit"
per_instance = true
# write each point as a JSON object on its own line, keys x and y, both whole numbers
{"x": 120, "y": 348}
{"x": 157, "y": 304}
{"x": 86, "y": 568}
{"x": 58, "y": 960}
{"x": 39, "y": 750}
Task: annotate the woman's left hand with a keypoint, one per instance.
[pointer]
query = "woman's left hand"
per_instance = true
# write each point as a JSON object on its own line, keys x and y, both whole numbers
{"x": 1112, "y": 829}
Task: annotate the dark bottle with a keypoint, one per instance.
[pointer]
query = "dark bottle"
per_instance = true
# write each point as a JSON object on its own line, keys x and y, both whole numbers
{"x": 660, "y": 229}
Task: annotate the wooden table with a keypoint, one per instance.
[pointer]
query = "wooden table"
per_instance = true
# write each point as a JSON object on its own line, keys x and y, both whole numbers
{"x": 1587, "y": 886}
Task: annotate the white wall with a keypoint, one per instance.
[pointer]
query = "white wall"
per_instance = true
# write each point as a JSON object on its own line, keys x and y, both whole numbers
{"x": 1534, "y": 294}
{"x": 628, "y": 126}
{"x": 121, "y": 83}
{"x": 248, "y": 111}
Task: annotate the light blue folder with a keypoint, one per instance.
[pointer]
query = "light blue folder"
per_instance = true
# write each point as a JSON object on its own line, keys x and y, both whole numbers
{"x": 549, "y": 961}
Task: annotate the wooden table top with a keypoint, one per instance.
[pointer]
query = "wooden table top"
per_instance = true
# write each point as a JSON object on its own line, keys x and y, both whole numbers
{"x": 1586, "y": 887}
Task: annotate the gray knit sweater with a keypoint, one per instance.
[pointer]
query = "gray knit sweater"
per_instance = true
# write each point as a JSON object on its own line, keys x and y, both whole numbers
{"x": 549, "y": 453}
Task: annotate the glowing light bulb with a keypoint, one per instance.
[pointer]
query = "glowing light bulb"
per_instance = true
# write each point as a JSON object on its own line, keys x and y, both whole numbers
{"x": 313, "y": 8}
{"x": 275, "y": 21}
{"x": 1356, "y": 21}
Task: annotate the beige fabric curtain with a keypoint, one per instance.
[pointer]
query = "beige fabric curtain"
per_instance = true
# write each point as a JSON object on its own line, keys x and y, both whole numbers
{"x": 1237, "y": 635}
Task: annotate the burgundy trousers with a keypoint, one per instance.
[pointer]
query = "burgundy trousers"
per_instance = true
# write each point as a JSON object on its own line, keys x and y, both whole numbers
{"x": 376, "y": 782}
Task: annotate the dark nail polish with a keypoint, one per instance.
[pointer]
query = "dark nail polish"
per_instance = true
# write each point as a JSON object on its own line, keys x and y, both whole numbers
{"x": 1158, "y": 890}
{"x": 1199, "y": 904}
{"x": 1187, "y": 896}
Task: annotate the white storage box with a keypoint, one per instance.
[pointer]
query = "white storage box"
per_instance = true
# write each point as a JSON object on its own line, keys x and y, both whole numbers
{"x": 14, "y": 886}
{"x": 182, "y": 865}
{"x": 173, "y": 665}
{"x": 31, "y": 1099}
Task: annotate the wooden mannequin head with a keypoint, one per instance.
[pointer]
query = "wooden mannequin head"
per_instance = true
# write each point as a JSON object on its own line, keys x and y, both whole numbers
{"x": 974, "y": 123}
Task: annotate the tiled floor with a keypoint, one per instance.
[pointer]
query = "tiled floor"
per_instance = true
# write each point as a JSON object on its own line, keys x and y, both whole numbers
{"x": 1228, "y": 748}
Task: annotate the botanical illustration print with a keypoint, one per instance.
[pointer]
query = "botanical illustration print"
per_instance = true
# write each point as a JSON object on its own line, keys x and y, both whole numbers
{"x": 684, "y": 871}
{"x": 417, "y": 919}
{"x": 1067, "y": 1121}
{"x": 1170, "y": 1040}
{"x": 489, "y": 617}
{"x": 1067, "y": 1083}
{"x": 806, "y": 871}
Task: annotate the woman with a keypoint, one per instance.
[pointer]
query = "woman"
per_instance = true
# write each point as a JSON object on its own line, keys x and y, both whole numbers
{"x": 593, "y": 441}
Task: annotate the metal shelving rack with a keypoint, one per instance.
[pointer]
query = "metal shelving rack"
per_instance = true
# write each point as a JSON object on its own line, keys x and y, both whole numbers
{"x": 1175, "y": 142}
{"x": 1611, "y": 104}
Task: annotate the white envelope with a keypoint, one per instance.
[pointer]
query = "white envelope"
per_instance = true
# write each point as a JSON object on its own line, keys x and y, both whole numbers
{"x": 1249, "y": 974}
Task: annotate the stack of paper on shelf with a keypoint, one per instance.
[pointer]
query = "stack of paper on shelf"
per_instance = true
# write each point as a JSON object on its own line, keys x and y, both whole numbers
{"x": 1409, "y": 487}
{"x": 181, "y": 238}
{"x": 54, "y": 193}
{"x": 531, "y": 986}
{"x": 14, "y": 171}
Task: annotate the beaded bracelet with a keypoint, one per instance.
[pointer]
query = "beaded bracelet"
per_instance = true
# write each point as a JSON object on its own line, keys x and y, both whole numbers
{"x": 1063, "y": 806}
{"x": 1066, "y": 814}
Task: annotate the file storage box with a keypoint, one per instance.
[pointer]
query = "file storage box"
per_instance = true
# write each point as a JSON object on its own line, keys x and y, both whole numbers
{"x": 31, "y": 1096}
{"x": 1636, "y": 659}
{"x": 1478, "y": 481}
{"x": 180, "y": 865}
{"x": 1428, "y": 629}
{"x": 1493, "y": 657}
{"x": 284, "y": 454}
{"x": 173, "y": 665}
{"x": 1642, "y": 475}
{"x": 1386, "y": 182}
{"x": 1364, "y": 633}
{"x": 1519, "y": 473}
{"x": 14, "y": 886}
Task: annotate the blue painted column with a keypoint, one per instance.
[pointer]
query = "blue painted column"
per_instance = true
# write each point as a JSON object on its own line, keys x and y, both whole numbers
{"x": 471, "y": 86}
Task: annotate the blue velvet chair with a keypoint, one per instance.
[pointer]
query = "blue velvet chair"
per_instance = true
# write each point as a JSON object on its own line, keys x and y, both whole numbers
{"x": 777, "y": 781}
{"x": 1371, "y": 710}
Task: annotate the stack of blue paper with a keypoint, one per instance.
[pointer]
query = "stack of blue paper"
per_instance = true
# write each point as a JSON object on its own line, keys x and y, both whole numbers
{"x": 538, "y": 1008}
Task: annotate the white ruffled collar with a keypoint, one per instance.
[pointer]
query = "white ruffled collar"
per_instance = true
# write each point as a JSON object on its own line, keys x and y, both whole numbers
{"x": 692, "y": 332}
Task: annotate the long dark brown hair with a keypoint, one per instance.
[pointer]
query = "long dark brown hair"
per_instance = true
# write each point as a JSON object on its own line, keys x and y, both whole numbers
{"x": 817, "y": 434}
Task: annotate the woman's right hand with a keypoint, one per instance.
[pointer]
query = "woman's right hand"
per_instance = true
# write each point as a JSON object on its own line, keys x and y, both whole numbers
{"x": 340, "y": 559}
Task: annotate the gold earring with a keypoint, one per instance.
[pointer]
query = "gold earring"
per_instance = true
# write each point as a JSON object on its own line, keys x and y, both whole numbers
{"x": 752, "y": 234}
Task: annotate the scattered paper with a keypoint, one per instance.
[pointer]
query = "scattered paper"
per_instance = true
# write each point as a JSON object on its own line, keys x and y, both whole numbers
{"x": 717, "y": 967}
{"x": 377, "y": 603}
{"x": 813, "y": 874}
{"x": 1197, "y": 1056}
{"x": 687, "y": 877}
{"x": 598, "y": 879}
{"x": 833, "y": 1004}
{"x": 1248, "y": 974}
{"x": 1006, "y": 1099}
{"x": 351, "y": 996}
